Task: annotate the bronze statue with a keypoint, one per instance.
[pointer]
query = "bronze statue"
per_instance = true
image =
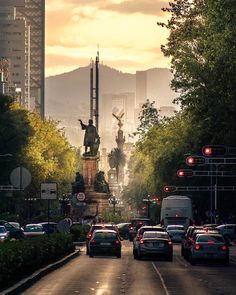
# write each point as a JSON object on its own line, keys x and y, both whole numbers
{"x": 118, "y": 118}
{"x": 91, "y": 138}
{"x": 100, "y": 183}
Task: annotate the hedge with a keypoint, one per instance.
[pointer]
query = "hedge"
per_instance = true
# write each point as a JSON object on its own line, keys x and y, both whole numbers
{"x": 79, "y": 232}
{"x": 21, "y": 258}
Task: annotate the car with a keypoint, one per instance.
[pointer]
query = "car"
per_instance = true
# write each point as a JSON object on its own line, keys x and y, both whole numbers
{"x": 124, "y": 229}
{"x": 136, "y": 223}
{"x": 105, "y": 242}
{"x": 193, "y": 238}
{"x": 14, "y": 233}
{"x": 33, "y": 230}
{"x": 155, "y": 243}
{"x": 139, "y": 236}
{"x": 49, "y": 227}
{"x": 209, "y": 246}
{"x": 98, "y": 226}
{"x": 187, "y": 238}
{"x": 4, "y": 234}
{"x": 228, "y": 231}
{"x": 176, "y": 232}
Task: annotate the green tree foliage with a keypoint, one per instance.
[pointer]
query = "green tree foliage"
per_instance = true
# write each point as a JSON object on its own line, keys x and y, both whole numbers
{"x": 201, "y": 45}
{"x": 148, "y": 117}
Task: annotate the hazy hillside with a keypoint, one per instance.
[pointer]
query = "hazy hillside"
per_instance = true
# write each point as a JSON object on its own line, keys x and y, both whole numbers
{"x": 68, "y": 94}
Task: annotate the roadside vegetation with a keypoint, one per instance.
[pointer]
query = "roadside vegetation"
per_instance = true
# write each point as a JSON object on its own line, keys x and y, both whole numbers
{"x": 202, "y": 51}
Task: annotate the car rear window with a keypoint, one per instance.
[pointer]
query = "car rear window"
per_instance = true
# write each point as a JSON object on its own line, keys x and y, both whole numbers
{"x": 142, "y": 230}
{"x": 155, "y": 234}
{"x": 210, "y": 239}
{"x": 105, "y": 236}
{"x": 175, "y": 228}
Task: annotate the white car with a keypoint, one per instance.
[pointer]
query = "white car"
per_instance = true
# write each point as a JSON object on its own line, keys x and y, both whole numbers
{"x": 176, "y": 232}
{"x": 4, "y": 234}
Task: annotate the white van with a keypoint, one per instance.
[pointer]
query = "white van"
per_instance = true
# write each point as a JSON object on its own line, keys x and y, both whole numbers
{"x": 176, "y": 210}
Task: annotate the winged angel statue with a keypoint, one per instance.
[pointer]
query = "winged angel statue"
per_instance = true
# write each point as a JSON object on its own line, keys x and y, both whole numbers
{"x": 118, "y": 118}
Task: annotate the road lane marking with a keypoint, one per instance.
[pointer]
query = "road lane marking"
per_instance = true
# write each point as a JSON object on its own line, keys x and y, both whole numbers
{"x": 181, "y": 262}
{"x": 161, "y": 278}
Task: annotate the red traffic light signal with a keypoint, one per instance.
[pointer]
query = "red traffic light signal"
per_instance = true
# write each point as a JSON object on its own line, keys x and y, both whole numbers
{"x": 214, "y": 150}
{"x": 169, "y": 188}
{"x": 185, "y": 173}
{"x": 195, "y": 160}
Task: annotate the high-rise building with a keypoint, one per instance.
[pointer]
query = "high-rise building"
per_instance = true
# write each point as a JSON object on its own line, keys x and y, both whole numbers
{"x": 32, "y": 14}
{"x": 141, "y": 87}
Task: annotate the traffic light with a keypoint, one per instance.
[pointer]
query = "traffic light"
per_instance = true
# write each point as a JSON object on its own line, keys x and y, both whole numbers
{"x": 214, "y": 150}
{"x": 185, "y": 173}
{"x": 169, "y": 188}
{"x": 195, "y": 160}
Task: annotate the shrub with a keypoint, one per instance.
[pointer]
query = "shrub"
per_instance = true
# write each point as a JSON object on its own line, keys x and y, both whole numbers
{"x": 21, "y": 258}
{"x": 79, "y": 231}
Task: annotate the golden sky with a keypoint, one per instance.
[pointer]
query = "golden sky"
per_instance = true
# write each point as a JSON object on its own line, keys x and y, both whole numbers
{"x": 125, "y": 31}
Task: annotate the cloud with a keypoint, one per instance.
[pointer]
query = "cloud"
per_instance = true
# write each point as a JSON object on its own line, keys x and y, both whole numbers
{"x": 138, "y": 6}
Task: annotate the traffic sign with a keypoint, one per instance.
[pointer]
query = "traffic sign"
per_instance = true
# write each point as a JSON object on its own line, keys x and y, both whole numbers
{"x": 20, "y": 177}
{"x": 49, "y": 191}
{"x": 80, "y": 197}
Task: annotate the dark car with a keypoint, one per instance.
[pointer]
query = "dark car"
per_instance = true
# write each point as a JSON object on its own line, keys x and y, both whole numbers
{"x": 105, "y": 242}
{"x": 49, "y": 227}
{"x": 140, "y": 233}
{"x": 14, "y": 233}
{"x": 98, "y": 226}
{"x": 136, "y": 223}
{"x": 176, "y": 232}
{"x": 187, "y": 238}
{"x": 228, "y": 231}
{"x": 156, "y": 244}
{"x": 209, "y": 246}
{"x": 124, "y": 229}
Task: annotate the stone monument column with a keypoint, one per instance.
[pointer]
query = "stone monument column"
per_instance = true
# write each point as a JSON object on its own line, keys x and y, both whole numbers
{"x": 90, "y": 168}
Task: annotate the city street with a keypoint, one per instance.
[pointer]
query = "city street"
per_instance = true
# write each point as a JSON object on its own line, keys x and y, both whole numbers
{"x": 109, "y": 275}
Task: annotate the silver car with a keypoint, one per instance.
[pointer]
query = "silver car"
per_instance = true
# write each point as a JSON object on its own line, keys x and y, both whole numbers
{"x": 4, "y": 234}
{"x": 209, "y": 247}
{"x": 176, "y": 232}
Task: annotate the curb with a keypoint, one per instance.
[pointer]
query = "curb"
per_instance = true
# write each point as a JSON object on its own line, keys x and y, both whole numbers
{"x": 29, "y": 281}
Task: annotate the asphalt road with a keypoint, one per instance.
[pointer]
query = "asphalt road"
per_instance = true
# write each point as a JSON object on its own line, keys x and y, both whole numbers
{"x": 112, "y": 276}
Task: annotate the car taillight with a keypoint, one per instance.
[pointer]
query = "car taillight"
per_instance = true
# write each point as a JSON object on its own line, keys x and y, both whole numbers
{"x": 141, "y": 241}
{"x": 93, "y": 242}
{"x": 131, "y": 228}
{"x": 223, "y": 248}
{"x": 139, "y": 237}
{"x": 170, "y": 243}
{"x": 197, "y": 247}
{"x": 117, "y": 242}
{"x": 89, "y": 236}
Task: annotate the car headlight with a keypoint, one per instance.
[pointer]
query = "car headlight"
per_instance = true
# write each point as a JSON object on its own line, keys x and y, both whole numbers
{"x": 2, "y": 238}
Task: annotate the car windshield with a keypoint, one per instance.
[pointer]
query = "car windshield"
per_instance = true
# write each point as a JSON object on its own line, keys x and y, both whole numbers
{"x": 34, "y": 228}
{"x": 105, "y": 235}
{"x": 2, "y": 229}
{"x": 155, "y": 234}
{"x": 175, "y": 227}
{"x": 210, "y": 239}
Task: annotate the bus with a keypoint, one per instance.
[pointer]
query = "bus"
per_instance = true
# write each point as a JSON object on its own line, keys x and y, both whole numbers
{"x": 176, "y": 210}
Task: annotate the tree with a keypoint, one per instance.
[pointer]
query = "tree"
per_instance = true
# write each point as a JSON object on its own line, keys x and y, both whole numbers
{"x": 200, "y": 44}
{"x": 148, "y": 118}
{"x": 116, "y": 160}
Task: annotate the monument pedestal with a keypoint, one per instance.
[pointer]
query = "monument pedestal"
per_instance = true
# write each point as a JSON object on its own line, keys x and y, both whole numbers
{"x": 96, "y": 202}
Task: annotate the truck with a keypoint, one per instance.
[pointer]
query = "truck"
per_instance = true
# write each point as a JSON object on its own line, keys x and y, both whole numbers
{"x": 176, "y": 210}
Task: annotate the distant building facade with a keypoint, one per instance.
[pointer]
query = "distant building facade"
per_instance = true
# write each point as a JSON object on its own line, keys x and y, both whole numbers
{"x": 22, "y": 39}
{"x": 141, "y": 87}
{"x": 116, "y": 104}
{"x": 167, "y": 111}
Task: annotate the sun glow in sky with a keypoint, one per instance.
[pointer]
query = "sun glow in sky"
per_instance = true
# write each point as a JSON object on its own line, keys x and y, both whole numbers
{"x": 125, "y": 31}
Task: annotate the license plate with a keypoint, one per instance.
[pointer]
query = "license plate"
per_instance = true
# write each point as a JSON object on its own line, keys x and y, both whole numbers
{"x": 105, "y": 244}
{"x": 160, "y": 245}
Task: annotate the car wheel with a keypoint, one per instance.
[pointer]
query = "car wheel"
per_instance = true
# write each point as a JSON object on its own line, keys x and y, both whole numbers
{"x": 135, "y": 254}
{"x": 182, "y": 251}
{"x": 118, "y": 255}
{"x": 170, "y": 258}
{"x": 87, "y": 251}
{"x": 90, "y": 255}
{"x": 226, "y": 261}
{"x": 192, "y": 261}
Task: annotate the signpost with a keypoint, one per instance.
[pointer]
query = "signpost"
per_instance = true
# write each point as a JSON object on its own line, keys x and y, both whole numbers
{"x": 49, "y": 192}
